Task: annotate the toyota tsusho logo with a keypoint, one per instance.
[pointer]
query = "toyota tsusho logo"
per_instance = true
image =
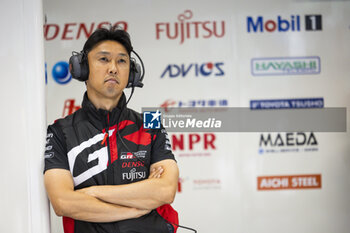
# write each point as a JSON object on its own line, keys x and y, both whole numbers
{"x": 287, "y": 103}
{"x": 187, "y": 28}
{"x": 206, "y": 69}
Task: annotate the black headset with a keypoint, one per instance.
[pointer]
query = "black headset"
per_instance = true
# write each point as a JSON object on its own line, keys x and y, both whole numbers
{"x": 79, "y": 69}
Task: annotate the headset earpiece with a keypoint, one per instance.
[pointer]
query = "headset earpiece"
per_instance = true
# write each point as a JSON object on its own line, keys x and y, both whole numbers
{"x": 78, "y": 66}
{"x": 135, "y": 78}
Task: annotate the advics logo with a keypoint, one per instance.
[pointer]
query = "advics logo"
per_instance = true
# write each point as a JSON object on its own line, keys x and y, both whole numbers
{"x": 204, "y": 70}
{"x": 60, "y": 72}
{"x": 312, "y": 23}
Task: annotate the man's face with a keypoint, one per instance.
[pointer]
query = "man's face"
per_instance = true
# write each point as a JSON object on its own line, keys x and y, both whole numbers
{"x": 109, "y": 65}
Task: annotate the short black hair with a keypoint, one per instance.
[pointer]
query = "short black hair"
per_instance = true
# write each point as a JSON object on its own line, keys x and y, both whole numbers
{"x": 113, "y": 33}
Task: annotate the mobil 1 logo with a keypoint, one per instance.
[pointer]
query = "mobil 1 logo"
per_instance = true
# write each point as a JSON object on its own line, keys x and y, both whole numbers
{"x": 313, "y": 22}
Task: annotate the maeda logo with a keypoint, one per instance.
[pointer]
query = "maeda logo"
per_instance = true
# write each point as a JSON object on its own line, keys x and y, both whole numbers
{"x": 293, "y": 23}
{"x": 287, "y": 142}
{"x": 151, "y": 120}
{"x": 285, "y": 66}
{"x": 206, "y": 69}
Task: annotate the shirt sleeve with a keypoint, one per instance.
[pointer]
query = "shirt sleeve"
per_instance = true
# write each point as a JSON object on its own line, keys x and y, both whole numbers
{"x": 161, "y": 148}
{"x": 56, "y": 150}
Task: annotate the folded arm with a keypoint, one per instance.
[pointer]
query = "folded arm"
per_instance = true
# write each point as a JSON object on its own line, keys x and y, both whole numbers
{"x": 147, "y": 194}
{"x": 77, "y": 205}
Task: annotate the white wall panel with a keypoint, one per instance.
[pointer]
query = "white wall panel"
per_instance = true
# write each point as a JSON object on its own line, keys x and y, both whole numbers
{"x": 24, "y": 205}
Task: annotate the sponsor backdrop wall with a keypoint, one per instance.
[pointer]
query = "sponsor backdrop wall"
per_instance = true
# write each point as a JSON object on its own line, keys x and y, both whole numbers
{"x": 253, "y": 54}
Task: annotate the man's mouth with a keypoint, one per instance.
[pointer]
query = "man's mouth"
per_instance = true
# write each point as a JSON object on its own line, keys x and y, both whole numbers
{"x": 112, "y": 80}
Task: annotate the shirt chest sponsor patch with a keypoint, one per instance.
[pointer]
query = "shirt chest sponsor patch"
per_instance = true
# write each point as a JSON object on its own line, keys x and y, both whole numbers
{"x": 134, "y": 175}
{"x": 133, "y": 155}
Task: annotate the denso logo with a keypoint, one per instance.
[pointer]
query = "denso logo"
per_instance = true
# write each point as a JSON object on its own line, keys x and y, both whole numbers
{"x": 73, "y": 31}
{"x": 207, "y": 69}
{"x": 133, "y": 164}
{"x": 185, "y": 29}
{"x": 282, "y": 24}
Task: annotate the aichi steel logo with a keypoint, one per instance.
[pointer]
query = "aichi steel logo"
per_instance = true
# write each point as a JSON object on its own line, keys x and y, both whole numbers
{"x": 285, "y": 66}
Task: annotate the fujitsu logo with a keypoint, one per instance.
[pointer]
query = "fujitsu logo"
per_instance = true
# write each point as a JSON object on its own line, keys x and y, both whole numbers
{"x": 185, "y": 29}
{"x": 134, "y": 175}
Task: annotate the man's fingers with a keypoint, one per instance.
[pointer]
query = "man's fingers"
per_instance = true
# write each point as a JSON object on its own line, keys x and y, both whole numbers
{"x": 156, "y": 172}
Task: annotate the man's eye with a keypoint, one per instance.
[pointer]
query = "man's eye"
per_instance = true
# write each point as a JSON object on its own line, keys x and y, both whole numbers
{"x": 122, "y": 61}
{"x": 103, "y": 59}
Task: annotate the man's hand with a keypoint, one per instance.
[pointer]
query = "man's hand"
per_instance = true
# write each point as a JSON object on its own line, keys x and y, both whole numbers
{"x": 77, "y": 205}
{"x": 156, "y": 172}
{"x": 159, "y": 189}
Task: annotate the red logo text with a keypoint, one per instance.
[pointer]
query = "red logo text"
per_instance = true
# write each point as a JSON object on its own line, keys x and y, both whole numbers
{"x": 204, "y": 141}
{"x": 73, "y": 31}
{"x": 69, "y": 107}
{"x": 185, "y": 29}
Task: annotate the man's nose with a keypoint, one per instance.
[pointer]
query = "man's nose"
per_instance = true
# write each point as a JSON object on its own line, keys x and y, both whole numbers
{"x": 113, "y": 69}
